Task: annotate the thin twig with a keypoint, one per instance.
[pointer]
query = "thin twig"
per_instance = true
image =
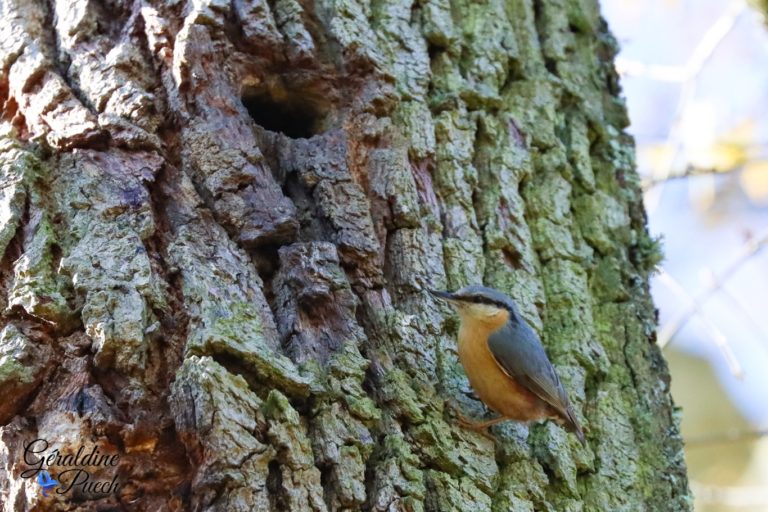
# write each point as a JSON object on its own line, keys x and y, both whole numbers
{"x": 701, "y": 54}
{"x": 734, "y": 496}
{"x": 740, "y": 306}
{"x": 753, "y": 153}
{"x": 729, "y": 436}
{"x": 714, "y": 36}
{"x": 671, "y": 328}
{"x": 714, "y": 333}
{"x": 689, "y": 172}
{"x": 657, "y": 72}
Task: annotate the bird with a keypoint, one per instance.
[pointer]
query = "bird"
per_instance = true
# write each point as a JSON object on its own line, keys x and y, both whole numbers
{"x": 506, "y": 363}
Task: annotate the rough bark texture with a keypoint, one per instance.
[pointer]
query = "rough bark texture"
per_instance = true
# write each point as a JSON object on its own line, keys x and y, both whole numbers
{"x": 219, "y": 219}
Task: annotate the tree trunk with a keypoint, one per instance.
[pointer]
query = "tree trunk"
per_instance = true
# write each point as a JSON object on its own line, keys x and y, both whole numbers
{"x": 219, "y": 222}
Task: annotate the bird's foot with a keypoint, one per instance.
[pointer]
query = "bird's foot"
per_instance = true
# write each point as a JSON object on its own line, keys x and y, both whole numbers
{"x": 481, "y": 427}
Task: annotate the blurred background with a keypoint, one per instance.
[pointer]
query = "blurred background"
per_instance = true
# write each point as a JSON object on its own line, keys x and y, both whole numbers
{"x": 695, "y": 76}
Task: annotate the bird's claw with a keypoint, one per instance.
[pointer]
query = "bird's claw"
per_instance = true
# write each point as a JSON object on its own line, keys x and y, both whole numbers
{"x": 480, "y": 427}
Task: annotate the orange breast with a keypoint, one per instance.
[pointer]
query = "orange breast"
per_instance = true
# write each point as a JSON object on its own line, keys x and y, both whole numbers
{"x": 495, "y": 388}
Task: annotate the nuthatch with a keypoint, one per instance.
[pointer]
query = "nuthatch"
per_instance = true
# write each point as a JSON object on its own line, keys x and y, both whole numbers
{"x": 505, "y": 361}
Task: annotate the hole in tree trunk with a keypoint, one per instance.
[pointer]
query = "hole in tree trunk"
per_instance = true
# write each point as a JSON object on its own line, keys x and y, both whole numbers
{"x": 297, "y": 114}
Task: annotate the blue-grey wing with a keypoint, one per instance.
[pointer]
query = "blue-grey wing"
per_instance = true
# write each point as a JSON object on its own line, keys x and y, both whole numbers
{"x": 521, "y": 355}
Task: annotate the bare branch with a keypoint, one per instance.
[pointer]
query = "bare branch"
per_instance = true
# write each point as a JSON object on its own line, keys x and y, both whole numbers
{"x": 701, "y": 54}
{"x": 729, "y": 436}
{"x": 658, "y": 72}
{"x": 735, "y": 496}
{"x": 714, "y": 333}
{"x": 740, "y": 306}
{"x": 689, "y": 172}
{"x": 671, "y": 328}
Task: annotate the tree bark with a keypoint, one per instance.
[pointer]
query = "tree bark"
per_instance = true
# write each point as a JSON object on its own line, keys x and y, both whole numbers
{"x": 219, "y": 222}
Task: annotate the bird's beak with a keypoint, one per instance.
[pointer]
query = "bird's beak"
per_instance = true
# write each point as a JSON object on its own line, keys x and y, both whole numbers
{"x": 442, "y": 295}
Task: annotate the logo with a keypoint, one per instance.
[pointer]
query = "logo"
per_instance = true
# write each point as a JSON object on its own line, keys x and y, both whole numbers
{"x": 80, "y": 469}
{"x": 46, "y": 482}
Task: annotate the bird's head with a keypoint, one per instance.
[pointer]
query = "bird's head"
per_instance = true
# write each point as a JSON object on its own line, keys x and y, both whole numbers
{"x": 477, "y": 303}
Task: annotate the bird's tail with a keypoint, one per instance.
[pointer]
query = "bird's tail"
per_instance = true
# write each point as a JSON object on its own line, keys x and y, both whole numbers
{"x": 573, "y": 425}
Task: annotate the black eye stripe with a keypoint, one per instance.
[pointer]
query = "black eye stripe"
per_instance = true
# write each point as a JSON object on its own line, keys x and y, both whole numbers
{"x": 483, "y": 299}
{"x": 479, "y": 299}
